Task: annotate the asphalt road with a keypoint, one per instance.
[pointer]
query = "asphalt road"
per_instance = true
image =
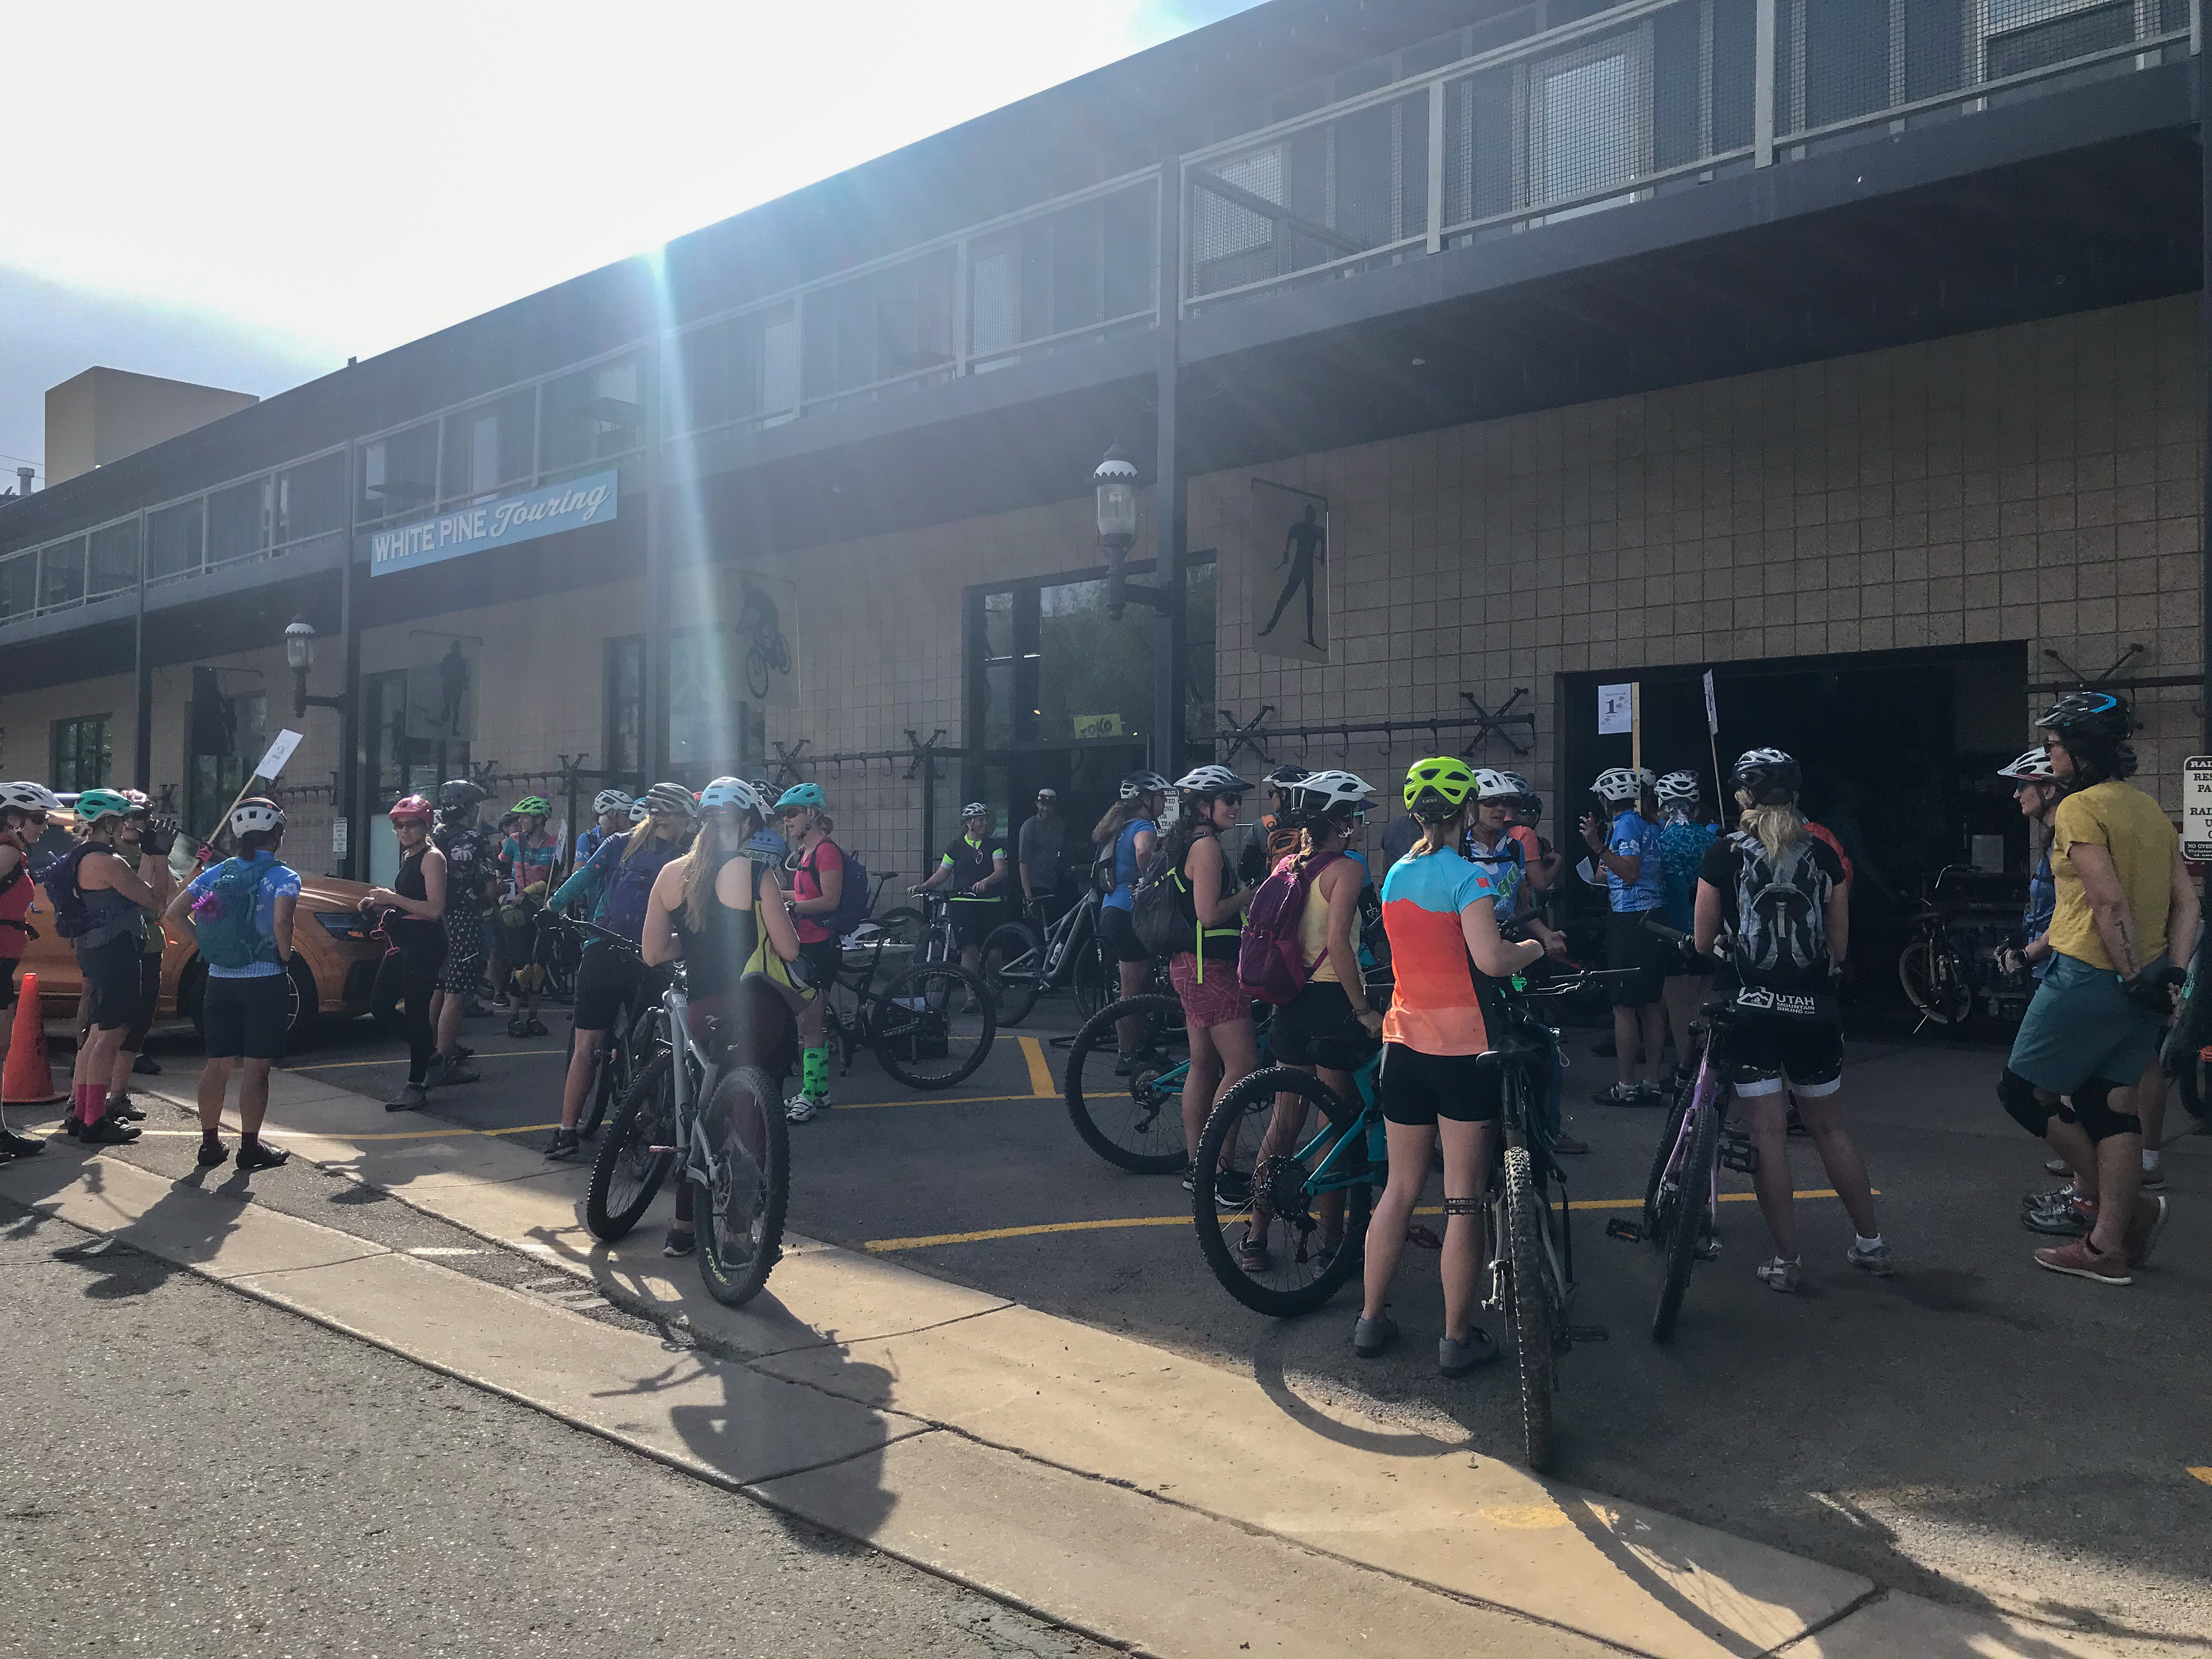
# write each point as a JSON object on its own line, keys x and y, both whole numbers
{"x": 191, "y": 1473}
{"x": 1972, "y": 1427}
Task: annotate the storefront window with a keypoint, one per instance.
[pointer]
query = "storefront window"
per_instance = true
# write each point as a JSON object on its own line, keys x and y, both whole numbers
{"x": 998, "y": 665}
{"x": 625, "y": 714}
{"x": 1094, "y": 674}
{"x": 82, "y": 755}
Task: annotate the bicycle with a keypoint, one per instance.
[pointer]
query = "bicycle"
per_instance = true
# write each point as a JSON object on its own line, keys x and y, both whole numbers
{"x": 625, "y": 1055}
{"x": 1531, "y": 1280}
{"x": 1952, "y": 939}
{"x": 1019, "y": 964}
{"x": 1134, "y": 1120}
{"x": 702, "y": 1107}
{"x": 930, "y": 1027}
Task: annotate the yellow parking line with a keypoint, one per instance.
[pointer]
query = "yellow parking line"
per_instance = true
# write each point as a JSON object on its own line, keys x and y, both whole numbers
{"x": 2205, "y": 1475}
{"x": 401, "y": 1060}
{"x": 989, "y": 1234}
{"x": 932, "y": 1100}
{"x": 1040, "y": 1083}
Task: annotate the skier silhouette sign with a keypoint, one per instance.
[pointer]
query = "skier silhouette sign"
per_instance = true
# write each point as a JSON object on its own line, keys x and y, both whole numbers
{"x": 1286, "y": 565}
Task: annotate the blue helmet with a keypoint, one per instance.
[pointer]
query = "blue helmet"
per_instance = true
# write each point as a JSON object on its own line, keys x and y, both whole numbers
{"x": 802, "y": 797}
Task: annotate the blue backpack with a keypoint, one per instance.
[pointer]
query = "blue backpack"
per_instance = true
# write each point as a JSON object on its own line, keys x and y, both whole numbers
{"x": 223, "y": 917}
{"x": 852, "y": 899}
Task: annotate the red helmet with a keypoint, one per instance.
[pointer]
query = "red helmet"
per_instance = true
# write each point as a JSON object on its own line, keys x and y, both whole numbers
{"x": 412, "y": 806}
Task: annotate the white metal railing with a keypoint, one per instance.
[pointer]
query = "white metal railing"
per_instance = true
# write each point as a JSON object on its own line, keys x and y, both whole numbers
{"x": 1633, "y": 101}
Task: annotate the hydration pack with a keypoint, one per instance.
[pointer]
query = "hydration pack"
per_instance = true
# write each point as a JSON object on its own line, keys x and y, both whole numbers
{"x": 72, "y": 919}
{"x": 1782, "y": 913}
{"x": 629, "y": 885}
{"x": 1160, "y": 910}
{"x": 852, "y": 899}
{"x": 1271, "y": 963}
{"x": 223, "y": 920}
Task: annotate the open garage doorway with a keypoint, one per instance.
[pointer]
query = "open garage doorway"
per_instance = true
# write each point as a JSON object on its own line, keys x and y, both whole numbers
{"x": 1900, "y": 750}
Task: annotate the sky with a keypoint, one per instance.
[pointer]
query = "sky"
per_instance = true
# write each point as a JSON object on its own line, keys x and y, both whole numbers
{"x": 247, "y": 193}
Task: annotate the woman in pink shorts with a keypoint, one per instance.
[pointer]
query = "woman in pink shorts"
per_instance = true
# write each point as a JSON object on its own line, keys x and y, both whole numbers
{"x": 1216, "y": 1009}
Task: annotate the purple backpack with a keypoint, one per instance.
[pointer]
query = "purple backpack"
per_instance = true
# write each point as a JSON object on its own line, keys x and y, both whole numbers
{"x": 1271, "y": 963}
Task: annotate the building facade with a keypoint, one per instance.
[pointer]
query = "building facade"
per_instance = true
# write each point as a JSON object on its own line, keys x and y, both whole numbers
{"x": 1846, "y": 350}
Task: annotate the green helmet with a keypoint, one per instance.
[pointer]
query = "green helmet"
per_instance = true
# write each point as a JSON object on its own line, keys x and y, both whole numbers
{"x": 95, "y": 805}
{"x": 536, "y": 806}
{"x": 1435, "y": 789}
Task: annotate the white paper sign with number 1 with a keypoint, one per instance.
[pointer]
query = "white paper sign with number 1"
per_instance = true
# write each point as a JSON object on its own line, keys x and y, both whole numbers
{"x": 1616, "y": 709}
{"x": 2197, "y": 808}
{"x": 279, "y": 751}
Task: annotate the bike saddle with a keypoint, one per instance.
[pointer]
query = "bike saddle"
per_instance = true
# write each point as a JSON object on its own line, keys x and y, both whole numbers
{"x": 1512, "y": 1053}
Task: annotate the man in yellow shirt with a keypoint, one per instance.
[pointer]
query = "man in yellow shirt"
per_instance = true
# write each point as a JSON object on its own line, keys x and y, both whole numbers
{"x": 2093, "y": 1025}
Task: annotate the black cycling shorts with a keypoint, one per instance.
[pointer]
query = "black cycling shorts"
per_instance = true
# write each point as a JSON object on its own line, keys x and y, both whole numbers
{"x": 1417, "y": 1088}
{"x": 1762, "y": 1049}
{"x": 1118, "y": 929}
{"x": 246, "y": 1017}
{"x": 972, "y": 919}
{"x": 607, "y": 978}
{"x": 111, "y": 980}
{"x": 8, "y": 967}
{"x": 824, "y": 958}
{"x": 1629, "y": 944}
{"x": 1317, "y": 1028}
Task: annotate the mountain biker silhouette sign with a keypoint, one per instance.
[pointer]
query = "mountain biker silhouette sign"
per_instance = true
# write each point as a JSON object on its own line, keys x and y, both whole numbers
{"x": 1286, "y": 564}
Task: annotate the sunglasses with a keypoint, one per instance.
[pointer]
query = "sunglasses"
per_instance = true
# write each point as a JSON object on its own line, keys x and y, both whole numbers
{"x": 1231, "y": 800}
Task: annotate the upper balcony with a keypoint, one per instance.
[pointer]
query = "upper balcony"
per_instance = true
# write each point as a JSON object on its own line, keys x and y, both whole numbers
{"x": 1501, "y": 138}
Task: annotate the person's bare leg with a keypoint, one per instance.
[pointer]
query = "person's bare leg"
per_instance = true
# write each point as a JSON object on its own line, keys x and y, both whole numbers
{"x": 446, "y": 1020}
{"x": 1625, "y": 1038}
{"x": 215, "y": 1083}
{"x": 1466, "y": 1173}
{"x": 99, "y": 1054}
{"x": 1329, "y": 1208}
{"x": 1652, "y": 1032}
{"x": 1767, "y": 1117}
{"x": 1199, "y": 1084}
{"x": 583, "y": 1065}
{"x": 1129, "y": 1032}
{"x": 1682, "y": 995}
{"x": 2150, "y": 1107}
{"x": 2119, "y": 1179}
{"x": 118, "y": 1071}
{"x": 2073, "y": 1144}
{"x": 1823, "y": 1115}
{"x": 1386, "y": 1228}
{"x": 252, "y": 1096}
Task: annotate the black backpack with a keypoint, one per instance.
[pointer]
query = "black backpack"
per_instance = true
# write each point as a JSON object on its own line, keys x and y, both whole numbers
{"x": 1781, "y": 914}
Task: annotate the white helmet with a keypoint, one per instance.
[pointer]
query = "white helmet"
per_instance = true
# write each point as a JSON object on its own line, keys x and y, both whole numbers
{"x": 27, "y": 796}
{"x": 975, "y": 809}
{"x": 1327, "y": 792}
{"x": 257, "y": 817}
{"x": 1492, "y": 786}
{"x": 2033, "y": 767}
{"x": 611, "y": 801}
{"x": 1143, "y": 783}
{"x": 638, "y": 813}
{"x": 732, "y": 792}
{"x": 1211, "y": 780}
{"x": 1619, "y": 784}
{"x": 1676, "y": 786}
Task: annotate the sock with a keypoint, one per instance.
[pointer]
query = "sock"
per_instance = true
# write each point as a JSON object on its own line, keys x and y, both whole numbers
{"x": 814, "y": 1073}
{"x": 248, "y": 1139}
{"x": 91, "y": 1099}
{"x": 1874, "y": 1244}
{"x": 2151, "y": 1160}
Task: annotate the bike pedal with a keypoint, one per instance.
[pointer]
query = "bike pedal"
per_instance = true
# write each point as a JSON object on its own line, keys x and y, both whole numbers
{"x": 1589, "y": 1334}
{"x": 1709, "y": 1248}
{"x": 1620, "y": 1228}
{"x": 1744, "y": 1160}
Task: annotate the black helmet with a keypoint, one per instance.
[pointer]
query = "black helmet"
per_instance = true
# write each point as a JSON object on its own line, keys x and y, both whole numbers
{"x": 2099, "y": 715}
{"x": 1769, "y": 776}
{"x": 1283, "y": 777}
{"x": 459, "y": 794}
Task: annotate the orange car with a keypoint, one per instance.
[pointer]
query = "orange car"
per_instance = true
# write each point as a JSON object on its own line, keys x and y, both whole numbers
{"x": 334, "y": 961}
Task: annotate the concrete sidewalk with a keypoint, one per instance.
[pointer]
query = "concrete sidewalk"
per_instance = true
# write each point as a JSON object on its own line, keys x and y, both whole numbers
{"x": 1059, "y": 1466}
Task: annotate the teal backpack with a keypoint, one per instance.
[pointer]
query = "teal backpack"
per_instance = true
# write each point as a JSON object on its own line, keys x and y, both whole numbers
{"x": 223, "y": 917}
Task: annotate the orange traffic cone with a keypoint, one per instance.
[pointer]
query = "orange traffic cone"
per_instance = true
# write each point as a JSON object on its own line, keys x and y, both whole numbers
{"x": 29, "y": 1079}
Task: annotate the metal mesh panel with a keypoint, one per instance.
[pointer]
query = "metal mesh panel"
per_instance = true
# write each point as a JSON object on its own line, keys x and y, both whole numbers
{"x": 19, "y": 585}
{"x": 61, "y": 573}
{"x": 1323, "y": 193}
{"x": 113, "y": 563}
{"x": 172, "y": 541}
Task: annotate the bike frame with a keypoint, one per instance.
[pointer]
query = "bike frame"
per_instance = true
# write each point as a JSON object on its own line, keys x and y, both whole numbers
{"x": 1704, "y": 1096}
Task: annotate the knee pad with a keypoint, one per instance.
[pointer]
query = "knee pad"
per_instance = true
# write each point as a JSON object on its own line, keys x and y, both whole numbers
{"x": 2017, "y": 1096}
{"x": 2093, "y": 1109}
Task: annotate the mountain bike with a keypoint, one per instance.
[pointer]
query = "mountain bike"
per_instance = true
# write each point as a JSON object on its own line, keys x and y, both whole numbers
{"x": 1135, "y": 1118}
{"x": 626, "y": 1041}
{"x": 702, "y": 1108}
{"x": 931, "y": 1026}
{"x": 1020, "y": 964}
{"x": 1311, "y": 1203}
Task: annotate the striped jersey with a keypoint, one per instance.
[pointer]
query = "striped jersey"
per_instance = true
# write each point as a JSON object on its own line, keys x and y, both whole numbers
{"x": 1433, "y": 1008}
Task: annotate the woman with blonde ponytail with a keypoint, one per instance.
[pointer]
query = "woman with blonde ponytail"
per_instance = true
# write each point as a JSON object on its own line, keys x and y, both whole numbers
{"x": 1780, "y": 893}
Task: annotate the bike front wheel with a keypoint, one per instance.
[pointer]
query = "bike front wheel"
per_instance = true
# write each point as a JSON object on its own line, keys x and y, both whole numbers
{"x": 1691, "y": 1220}
{"x": 1935, "y": 980}
{"x": 1134, "y": 1120}
{"x": 628, "y": 1172}
{"x": 1529, "y": 1305}
{"x": 1663, "y": 1153}
{"x": 934, "y": 1025}
{"x": 1096, "y": 977}
{"x": 739, "y": 1214}
{"x": 1310, "y": 1242}
{"x": 1008, "y": 963}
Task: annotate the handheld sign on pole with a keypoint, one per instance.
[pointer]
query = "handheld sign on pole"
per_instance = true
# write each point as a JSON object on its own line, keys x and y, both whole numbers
{"x": 1614, "y": 714}
{"x": 1713, "y": 743}
{"x": 1636, "y": 726}
{"x": 2197, "y": 808}
{"x": 268, "y": 766}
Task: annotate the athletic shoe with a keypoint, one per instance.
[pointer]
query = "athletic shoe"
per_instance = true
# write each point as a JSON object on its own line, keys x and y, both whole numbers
{"x": 679, "y": 1242}
{"x": 1650, "y": 1093}
{"x": 1232, "y": 1190}
{"x": 1568, "y": 1147}
{"x": 2050, "y": 1197}
{"x": 462, "y": 1051}
{"x": 451, "y": 1071}
{"x": 1778, "y": 1274}
{"x": 1624, "y": 1094}
{"x": 211, "y": 1153}
{"x": 2082, "y": 1260}
{"x": 1125, "y": 1065}
{"x": 123, "y": 1107}
{"x": 71, "y": 1127}
{"x": 2072, "y": 1220}
{"x": 517, "y": 1027}
{"x": 2153, "y": 1181}
{"x": 1252, "y": 1255}
{"x": 564, "y": 1146}
{"x": 108, "y": 1131}
{"x": 2143, "y": 1236}
{"x": 412, "y": 1098}
{"x": 1370, "y": 1336}
{"x": 1875, "y": 1262}
{"x": 534, "y": 1027}
{"x": 146, "y": 1066}
{"x": 260, "y": 1156}
{"x": 13, "y": 1146}
{"x": 2057, "y": 1166}
{"x": 1457, "y": 1356}
{"x": 801, "y": 1108}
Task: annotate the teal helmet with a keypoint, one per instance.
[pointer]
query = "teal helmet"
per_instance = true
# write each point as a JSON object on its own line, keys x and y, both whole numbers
{"x": 802, "y": 797}
{"x": 95, "y": 805}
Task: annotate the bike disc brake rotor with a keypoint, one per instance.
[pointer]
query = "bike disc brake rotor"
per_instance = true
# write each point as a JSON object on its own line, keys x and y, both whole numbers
{"x": 1280, "y": 1183}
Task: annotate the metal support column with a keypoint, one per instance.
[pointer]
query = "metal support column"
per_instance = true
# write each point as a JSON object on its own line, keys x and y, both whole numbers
{"x": 346, "y": 802}
{"x": 653, "y": 738}
{"x": 142, "y": 679}
{"x": 1169, "y": 516}
{"x": 2204, "y": 371}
